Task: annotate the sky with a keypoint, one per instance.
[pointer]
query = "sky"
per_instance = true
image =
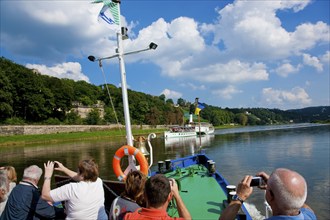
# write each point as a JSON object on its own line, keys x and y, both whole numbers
{"x": 235, "y": 54}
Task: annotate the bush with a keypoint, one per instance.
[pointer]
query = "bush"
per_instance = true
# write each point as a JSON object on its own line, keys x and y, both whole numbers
{"x": 52, "y": 121}
{"x": 14, "y": 121}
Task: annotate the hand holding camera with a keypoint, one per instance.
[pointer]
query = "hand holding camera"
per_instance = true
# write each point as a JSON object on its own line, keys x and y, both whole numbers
{"x": 56, "y": 165}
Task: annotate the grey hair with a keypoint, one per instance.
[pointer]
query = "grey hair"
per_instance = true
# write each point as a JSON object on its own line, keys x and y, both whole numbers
{"x": 3, "y": 180}
{"x": 286, "y": 200}
{"x": 32, "y": 172}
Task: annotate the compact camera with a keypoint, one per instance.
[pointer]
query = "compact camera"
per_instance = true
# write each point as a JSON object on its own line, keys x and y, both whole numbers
{"x": 257, "y": 181}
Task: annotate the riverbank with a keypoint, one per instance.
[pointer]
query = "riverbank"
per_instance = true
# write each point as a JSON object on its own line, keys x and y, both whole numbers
{"x": 31, "y": 139}
{"x": 63, "y": 137}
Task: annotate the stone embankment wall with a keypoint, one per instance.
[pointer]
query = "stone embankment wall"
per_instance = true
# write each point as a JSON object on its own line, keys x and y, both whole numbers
{"x": 53, "y": 129}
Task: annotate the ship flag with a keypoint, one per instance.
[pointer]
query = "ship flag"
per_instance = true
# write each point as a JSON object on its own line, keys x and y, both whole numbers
{"x": 109, "y": 14}
{"x": 199, "y": 107}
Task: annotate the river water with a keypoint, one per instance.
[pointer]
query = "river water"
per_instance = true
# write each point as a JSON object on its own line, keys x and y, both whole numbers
{"x": 237, "y": 152}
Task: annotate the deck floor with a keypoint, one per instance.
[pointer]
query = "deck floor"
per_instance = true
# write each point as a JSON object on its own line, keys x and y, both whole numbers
{"x": 200, "y": 192}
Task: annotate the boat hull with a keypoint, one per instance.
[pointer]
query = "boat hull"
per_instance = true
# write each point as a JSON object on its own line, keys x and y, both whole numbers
{"x": 204, "y": 129}
{"x": 169, "y": 134}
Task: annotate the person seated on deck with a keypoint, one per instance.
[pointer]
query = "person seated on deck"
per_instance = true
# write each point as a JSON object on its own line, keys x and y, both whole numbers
{"x": 24, "y": 201}
{"x": 286, "y": 193}
{"x": 83, "y": 199}
{"x": 131, "y": 199}
{"x": 158, "y": 193}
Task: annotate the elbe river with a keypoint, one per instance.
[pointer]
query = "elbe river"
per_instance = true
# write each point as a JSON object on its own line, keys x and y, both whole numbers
{"x": 237, "y": 152}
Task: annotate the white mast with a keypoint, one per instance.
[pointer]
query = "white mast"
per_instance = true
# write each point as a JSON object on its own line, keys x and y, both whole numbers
{"x": 121, "y": 33}
{"x": 129, "y": 135}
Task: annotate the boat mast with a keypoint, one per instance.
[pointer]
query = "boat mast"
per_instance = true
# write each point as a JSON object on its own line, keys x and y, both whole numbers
{"x": 129, "y": 136}
{"x": 199, "y": 124}
{"x": 121, "y": 35}
{"x": 120, "y": 51}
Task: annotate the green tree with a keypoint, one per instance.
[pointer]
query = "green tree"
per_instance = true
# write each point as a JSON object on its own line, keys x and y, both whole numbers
{"x": 241, "y": 119}
{"x": 170, "y": 101}
{"x": 73, "y": 118}
{"x": 93, "y": 117}
{"x": 6, "y": 98}
{"x": 162, "y": 97}
{"x": 109, "y": 116}
{"x": 181, "y": 102}
{"x": 153, "y": 116}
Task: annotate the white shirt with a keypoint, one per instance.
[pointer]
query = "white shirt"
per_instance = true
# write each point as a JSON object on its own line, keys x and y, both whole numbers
{"x": 83, "y": 200}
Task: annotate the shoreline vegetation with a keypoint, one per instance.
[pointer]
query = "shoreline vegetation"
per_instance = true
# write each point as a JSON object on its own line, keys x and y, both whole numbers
{"x": 7, "y": 141}
{"x": 72, "y": 136}
{"x": 112, "y": 134}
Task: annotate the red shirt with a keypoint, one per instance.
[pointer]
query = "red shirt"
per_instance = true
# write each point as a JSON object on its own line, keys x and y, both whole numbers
{"x": 150, "y": 214}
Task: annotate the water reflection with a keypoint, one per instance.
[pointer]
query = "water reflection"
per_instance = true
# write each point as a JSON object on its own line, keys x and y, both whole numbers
{"x": 67, "y": 153}
{"x": 189, "y": 145}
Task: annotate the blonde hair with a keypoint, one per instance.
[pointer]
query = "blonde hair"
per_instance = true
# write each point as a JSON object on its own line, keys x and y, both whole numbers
{"x": 11, "y": 172}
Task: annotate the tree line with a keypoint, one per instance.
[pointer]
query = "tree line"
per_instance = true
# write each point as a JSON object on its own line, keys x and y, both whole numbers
{"x": 28, "y": 97}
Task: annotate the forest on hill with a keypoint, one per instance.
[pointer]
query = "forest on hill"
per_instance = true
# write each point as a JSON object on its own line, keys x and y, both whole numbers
{"x": 28, "y": 97}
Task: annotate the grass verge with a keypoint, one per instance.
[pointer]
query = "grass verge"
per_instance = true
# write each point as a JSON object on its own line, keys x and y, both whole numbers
{"x": 62, "y": 137}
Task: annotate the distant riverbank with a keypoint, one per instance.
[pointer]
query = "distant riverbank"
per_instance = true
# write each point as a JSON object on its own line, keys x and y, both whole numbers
{"x": 89, "y": 134}
{"x": 62, "y": 137}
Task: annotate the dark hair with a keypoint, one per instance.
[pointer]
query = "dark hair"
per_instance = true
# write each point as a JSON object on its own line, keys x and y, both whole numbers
{"x": 88, "y": 169}
{"x": 134, "y": 187}
{"x": 157, "y": 189}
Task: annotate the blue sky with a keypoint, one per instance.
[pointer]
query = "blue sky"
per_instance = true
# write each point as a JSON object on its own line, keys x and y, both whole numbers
{"x": 271, "y": 54}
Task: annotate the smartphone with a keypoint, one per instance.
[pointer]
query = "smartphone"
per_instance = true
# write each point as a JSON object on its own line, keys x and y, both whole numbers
{"x": 257, "y": 181}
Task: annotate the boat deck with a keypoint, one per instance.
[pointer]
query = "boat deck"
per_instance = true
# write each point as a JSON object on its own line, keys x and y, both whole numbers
{"x": 200, "y": 192}
{"x": 204, "y": 194}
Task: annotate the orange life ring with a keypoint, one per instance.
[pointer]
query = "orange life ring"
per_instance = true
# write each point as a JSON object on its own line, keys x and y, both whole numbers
{"x": 128, "y": 150}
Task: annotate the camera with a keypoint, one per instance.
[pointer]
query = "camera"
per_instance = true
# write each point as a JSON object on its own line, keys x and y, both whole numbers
{"x": 257, "y": 181}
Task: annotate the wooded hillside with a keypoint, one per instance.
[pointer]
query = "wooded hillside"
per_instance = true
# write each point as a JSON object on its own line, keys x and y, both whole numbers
{"x": 28, "y": 97}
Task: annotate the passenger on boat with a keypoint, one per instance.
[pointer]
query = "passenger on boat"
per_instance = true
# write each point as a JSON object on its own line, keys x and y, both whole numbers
{"x": 158, "y": 193}
{"x": 4, "y": 188}
{"x": 131, "y": 199}
{"x": 24, "y": 202}
{"x": 12, "y": 177}
{"x": 286, "y": 193}
{"x": 84, "y": 199}
{"x": 10, "y": 172}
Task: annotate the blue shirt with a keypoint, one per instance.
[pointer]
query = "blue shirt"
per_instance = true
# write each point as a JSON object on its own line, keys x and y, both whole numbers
{"x": 305, "y": 214}
{"x": 24, "y": 202}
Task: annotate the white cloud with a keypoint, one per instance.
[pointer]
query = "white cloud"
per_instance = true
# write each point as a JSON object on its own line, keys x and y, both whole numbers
{"x": 70, "y": 70}
{"x": 248, "y": 38}
{"x": 251, "y": 30}
{"x": 226, "y": 93}
{"x": 312, "y": 61}
{"x": 325, "y": 58}
{"x": 286, "y": 69}
{"x": 193, "y": 86}
{"x": 234, "y": 71}
{"x": 170, "y": 94}
{"x": 276, "y": 98}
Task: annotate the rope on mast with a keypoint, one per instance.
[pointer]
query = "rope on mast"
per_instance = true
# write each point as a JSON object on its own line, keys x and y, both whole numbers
{"x": 106, "y": 85}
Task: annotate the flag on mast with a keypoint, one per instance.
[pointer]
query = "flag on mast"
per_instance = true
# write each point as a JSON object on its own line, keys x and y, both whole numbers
{"x": 199, "y": 107}
{"x": 110, "y": 14}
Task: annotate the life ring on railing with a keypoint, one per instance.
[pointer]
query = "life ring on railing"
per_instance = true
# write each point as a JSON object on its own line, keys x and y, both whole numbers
{"x": 128, "y": 150}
